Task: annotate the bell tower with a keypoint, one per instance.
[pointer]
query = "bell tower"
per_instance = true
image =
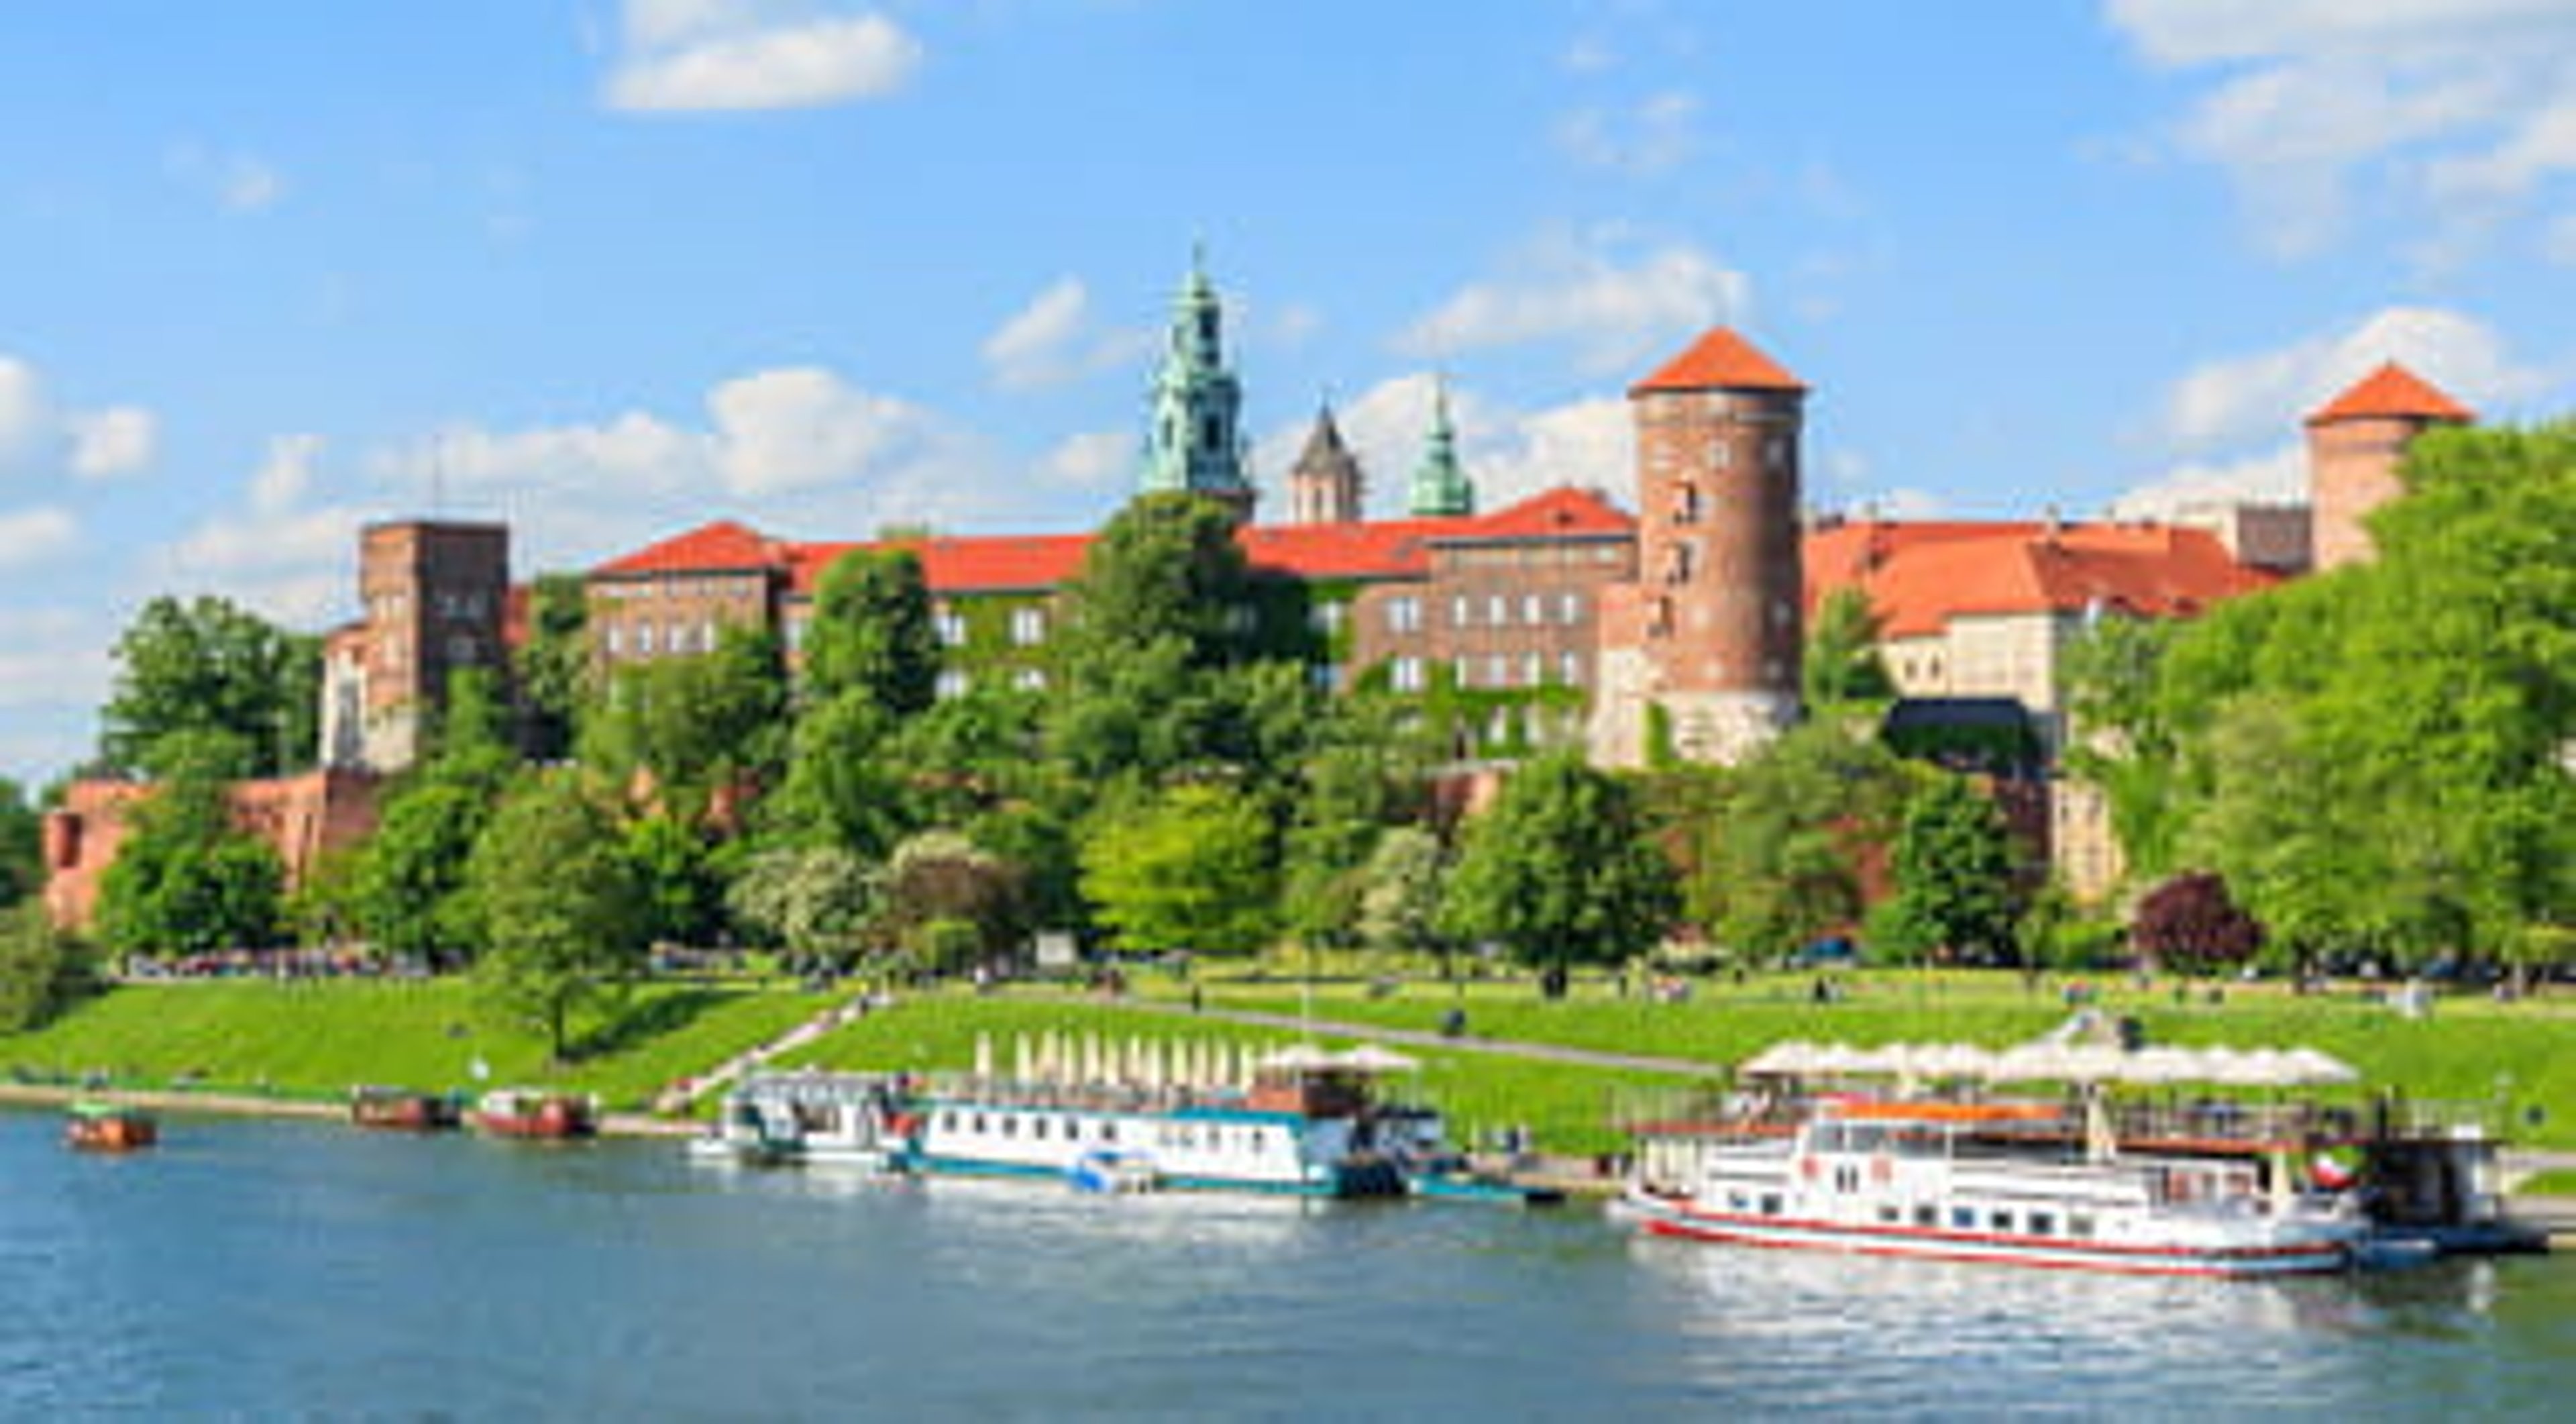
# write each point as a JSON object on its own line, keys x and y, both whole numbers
{"x": 1325, "y": 487}
{"x": 1195, "y": 443}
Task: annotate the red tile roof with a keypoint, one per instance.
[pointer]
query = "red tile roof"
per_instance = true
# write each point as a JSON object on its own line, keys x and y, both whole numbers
{"x": 722, "y": 546}
{"x": 1921, "y": 576}
{"x": 1720, "y": 360}
{"x": 2392, "y": 392}
{"x": 1391, "y": 548}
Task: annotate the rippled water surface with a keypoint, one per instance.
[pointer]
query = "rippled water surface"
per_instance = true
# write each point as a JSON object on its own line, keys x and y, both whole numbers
{"x": 267, "y": 1268}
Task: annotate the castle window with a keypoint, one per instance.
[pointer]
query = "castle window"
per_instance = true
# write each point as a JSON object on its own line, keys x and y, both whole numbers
{"x": 951, "y": 683}
{"x": 1403, "y": 615}
{"x": 1722, "y": 455}
{"x": 1028, "y": 627}
{"x": 1029, "y": 679}
{"x": 1686, "y": 503}
{"x": 1463, "y": 670}
{"x": 1680, "y": 563}
{"x": 1323, "y": 677}
{"x": 1498, "y": 670}
{"x": 1405, "y": 674}
{"x": 1533, "y": 669}
{"x": 1327, "y": 618}
{"x": 1569, "y": 608}
{"x": 796, "y": 633}
{"x": 1498, "y": 610}
{"x": 1462, "y": 611}
{"x": 1533, "y": 609}
{"x": 1569, "y": 668}
{"x": 461, "y": 652}
{"x": 645, "y": 634}
{"x": 1659, "y": 618}
{"x": 951, "y": 626}
{"x": 616, "y": 640}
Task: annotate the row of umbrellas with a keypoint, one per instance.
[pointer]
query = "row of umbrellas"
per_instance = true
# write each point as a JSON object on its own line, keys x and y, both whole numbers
{"x": 2047, "y": 1062}
{"x": 1092, "y": 1059}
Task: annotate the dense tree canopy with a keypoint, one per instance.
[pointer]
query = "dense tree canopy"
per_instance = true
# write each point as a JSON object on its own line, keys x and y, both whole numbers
{"x": 564, "y": 919}
{"x": 1560, "y": 871}
{"x": 22, "y": 864}
{"x": 554, "y": 666}
{"x": 1842, "y": 667}
{"x": 1775, "y": 848}
{"x": 209, "y": 666}
{"x": 2422, "y": 704}
{"x": 1188, "y": 869}
{"x": 1953, "y": 865}
{"x": 697, "y": 726}
{"x": 2191, "y": 924}
{"x": 41, "y": 969}
{"x": 186, "y": 881}
{"x": 871, "y": 633}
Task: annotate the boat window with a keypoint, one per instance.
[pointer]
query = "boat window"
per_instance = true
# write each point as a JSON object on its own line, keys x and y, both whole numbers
{"x": 2003, "y": 1221}
{"x": 2078, "y": 1224}
{"x": 1109, "y": 1130}
{"x": 948, "y": 1122}
{"x": 1037, "y": 1128}
{"x": 1888, "y": 1214}
{"x": 2042, "y": 1224}
{"x": 1927, "y": 1215}
{"x": 1735, "y": 1201}
{"x": 1010, "y": 1125}
{"x": 979, "y": 1123}
{"x": 1770, "y": 1204}
{"x": 1963, "y": 1218}
{"x": 1830, "y": 1137}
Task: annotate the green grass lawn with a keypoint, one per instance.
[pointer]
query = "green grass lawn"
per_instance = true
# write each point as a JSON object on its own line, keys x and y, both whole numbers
{"x": 314, "y": 1039}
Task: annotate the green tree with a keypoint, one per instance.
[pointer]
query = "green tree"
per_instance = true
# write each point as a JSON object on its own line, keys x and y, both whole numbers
{"x": 210, "y": 666}
{"x": 22, "y": 859}
{"x": 186, "y": 881}
{"x": 563, "y": 920}
{"x": 675, "y": 872}
{"x": 1401, "y": 890}
{"x": 554, "y": 666}
{"x": 414, "y": 893}
{"x": 944, "y": 895}
{"x": 1362, "y": 774}
{"x": 1189, "y": 868}
{"x": 1561, "y": 871}
{"x": 845, "y": 785}
{"x": 1165, "y": 567}
{"x": 698, "y": 725}
{"x": 1953, "y": 864}
{"x": 1843, "y": 669}
{"x": 812, "y": 901}
{"x": 41, "y": 969}
{"x": 871, "y": 633}
{"x": 1777, "y": 860}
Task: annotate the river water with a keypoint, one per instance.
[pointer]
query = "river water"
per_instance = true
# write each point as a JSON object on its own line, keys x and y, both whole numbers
{"x": 251, "y": 1268}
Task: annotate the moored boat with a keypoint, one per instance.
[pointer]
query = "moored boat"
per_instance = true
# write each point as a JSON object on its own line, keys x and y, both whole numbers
{"x": 1301, "y": 1122}
{"x": 109, "y": 1127}
{"x": 403, "y": 1109}
{"x": 809, "y": 1119}
{"x": 536, "y": 1113}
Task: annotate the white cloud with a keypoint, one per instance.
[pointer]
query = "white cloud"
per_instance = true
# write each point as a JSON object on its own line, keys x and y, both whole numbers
{"x": 2237, "y": 399}
{"x": 40, "y": 435}
{"x": 1615, "y": 307}
{"x": 1054, "y": 341}
{"x": 29, "y": 537}
{"x": 239, "y": 182}
{"x": 2236, "y": 421}
{"x": 2275, "y": 476}
{"x": 1655, "y": 135}
{"x": 1508, "y": 453}
{"x": 2560, "y": 245}
{"x": 52, "y": 657}
{"x": 704, "y": 55}
{"x": 282, "y": 479}
{"x": 116, "y": 441}
{"x": 1092, "y": 460}
{"x": 798, "y": 447}
{"x": 2460, "y": 106}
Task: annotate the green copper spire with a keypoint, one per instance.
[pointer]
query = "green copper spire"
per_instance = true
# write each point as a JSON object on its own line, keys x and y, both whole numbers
{"x": 1194, "y": 444}
{"x": 1440, "y": 487}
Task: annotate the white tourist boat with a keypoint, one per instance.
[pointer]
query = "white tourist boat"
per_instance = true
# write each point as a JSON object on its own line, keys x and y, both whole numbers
{"x": 2000, "y": 1182}
{"x": 1148, "y": 1116}
{"x": 817, "y": 1119}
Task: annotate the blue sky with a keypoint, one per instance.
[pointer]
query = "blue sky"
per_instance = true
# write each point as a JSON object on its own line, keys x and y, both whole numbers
{"x": 272, "y": 268}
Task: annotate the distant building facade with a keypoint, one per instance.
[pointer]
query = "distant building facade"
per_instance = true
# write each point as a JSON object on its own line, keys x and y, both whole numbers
{"x": 436, "y": 596}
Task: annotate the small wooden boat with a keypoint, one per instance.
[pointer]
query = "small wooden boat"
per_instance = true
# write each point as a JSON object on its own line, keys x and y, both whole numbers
{"x": 109, "y": 1127}
{"x": 402, "y": 1110}
{"x": 536, "y": 1113}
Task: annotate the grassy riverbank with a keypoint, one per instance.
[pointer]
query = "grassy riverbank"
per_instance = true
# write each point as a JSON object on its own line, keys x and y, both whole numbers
{"x": 311, "y": 1040}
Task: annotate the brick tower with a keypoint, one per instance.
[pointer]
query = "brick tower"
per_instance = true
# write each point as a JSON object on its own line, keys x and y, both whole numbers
{"x": 435, "y": 594}
{"x": 1325, "y": 486}
{"x": 2355, "y": 443}
{"x": 1701, "y": 654}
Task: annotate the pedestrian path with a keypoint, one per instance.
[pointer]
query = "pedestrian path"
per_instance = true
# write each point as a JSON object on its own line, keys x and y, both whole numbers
{"x": 688, "y": 1092}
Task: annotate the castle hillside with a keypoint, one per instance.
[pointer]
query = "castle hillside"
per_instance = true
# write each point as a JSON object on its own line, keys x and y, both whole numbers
{"x": 1671, "y": 627}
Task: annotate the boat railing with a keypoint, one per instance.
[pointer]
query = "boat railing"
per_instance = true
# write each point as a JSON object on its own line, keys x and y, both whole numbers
{"x": 1086, "y": 1097}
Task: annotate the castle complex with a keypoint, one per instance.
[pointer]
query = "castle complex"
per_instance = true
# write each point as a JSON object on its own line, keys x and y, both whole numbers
{"x": 1673, "y": 627}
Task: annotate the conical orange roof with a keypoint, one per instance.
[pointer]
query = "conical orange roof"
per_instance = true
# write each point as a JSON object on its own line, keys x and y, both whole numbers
{"x": 2392, "y": 392}
{"x": 1720, "y": 360}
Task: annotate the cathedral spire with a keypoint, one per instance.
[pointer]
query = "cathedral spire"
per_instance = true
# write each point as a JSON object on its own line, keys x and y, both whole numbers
{"x": 1440, "y": 485}
{"x": 1194, "y": 443}
{"x": 1325, "y": 487}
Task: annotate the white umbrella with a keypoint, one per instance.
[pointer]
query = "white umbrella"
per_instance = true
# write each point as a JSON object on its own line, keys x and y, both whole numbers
{"x": 1786, "y": 1059}
{"x": 2316, "y": 1066}
{"x": 984, "y": 1056}
{"x": 1369, "y": 1058}
{"x": 1301, "y": 1057}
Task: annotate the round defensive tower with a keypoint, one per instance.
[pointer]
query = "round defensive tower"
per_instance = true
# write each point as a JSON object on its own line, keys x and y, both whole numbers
{"x": 1711, "y": 637}
{"x": 2355, "y": 443}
